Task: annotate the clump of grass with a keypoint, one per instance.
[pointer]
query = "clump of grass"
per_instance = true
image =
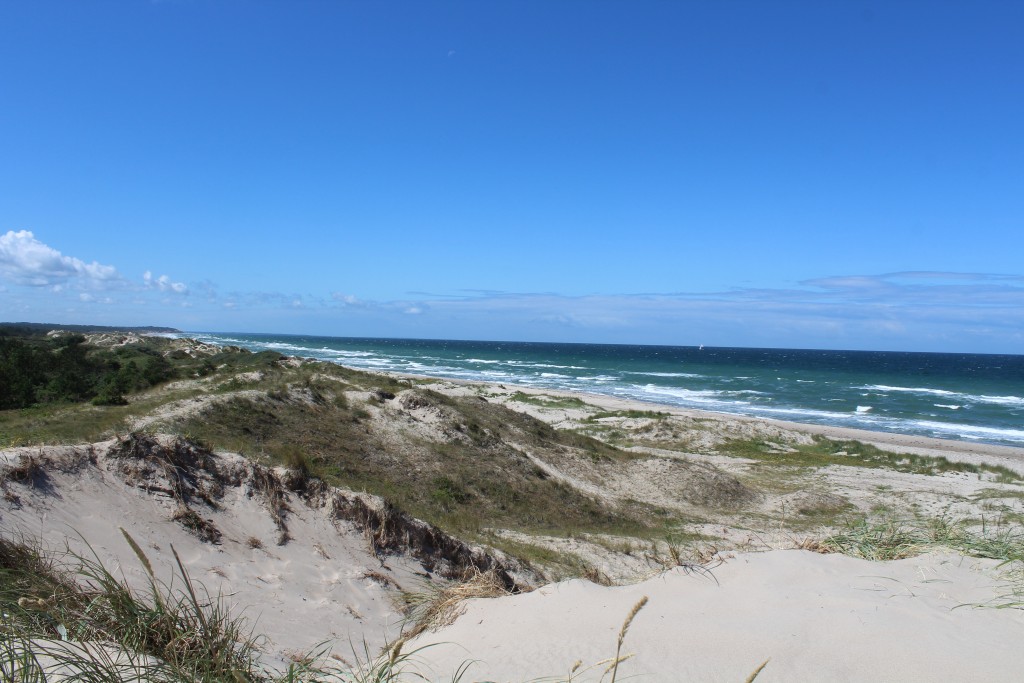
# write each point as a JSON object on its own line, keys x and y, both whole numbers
{"x": 595, "y": 575}
{"x": 893, "y": 539}
{"x": 105, "y": 626}
{"x": 822, "y": 452}
{"x": 203, "y": 529}
{"x": 79, "y": 622}
{"x": 298, "y": 461}
{"x": 546, "y": 401}
{"x": 392, "y": 665}
{"x": 439, "y": 605}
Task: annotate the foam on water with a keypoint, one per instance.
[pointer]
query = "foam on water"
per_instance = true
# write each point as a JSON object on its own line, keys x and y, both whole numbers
{"x": 970, "y": 431}
{"x": 967, "y": 398}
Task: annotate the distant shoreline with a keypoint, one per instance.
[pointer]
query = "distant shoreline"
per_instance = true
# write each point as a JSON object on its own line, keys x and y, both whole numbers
{"x": 891, "y": 440}
{"x": 953, "y": 449}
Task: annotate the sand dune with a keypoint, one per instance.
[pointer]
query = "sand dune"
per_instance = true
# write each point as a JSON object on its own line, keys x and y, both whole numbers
{"x": 814, "y": 617}
{"x": 310, "y": 565}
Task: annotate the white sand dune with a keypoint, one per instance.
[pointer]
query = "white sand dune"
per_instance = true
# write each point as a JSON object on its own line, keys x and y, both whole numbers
{"x": 326, "y": 586}
{"x": 815, "y": 617}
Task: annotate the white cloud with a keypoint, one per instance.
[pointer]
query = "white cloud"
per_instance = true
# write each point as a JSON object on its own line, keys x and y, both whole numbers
{"x": 163, "y": 283}
{"x": 84, "y": 296}
{"x": 27, "y": 261}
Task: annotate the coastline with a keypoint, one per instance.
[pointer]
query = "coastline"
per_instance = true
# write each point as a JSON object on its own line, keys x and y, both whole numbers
{"x": 968, "y": 399}
{"x": 952, "y": 449}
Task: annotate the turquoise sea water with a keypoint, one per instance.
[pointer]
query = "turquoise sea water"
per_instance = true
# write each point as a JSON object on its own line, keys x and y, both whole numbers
{"x": 970, "y": 397}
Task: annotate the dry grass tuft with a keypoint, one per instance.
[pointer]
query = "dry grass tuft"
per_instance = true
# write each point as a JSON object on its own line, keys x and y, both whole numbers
{"x": 203, "y": 529}
{"x": 595, "y": 575}
{"x": 381, "y": 579}
{"x": 439, "y": 606}
{"x": 270, "y": 486}
{"x": 27, "y": 471}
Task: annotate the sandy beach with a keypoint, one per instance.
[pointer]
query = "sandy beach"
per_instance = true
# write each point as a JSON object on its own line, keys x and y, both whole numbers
{"x": 756, "y": 597}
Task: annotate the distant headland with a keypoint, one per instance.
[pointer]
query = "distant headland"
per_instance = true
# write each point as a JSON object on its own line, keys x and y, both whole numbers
{"x": 42, "y": 328}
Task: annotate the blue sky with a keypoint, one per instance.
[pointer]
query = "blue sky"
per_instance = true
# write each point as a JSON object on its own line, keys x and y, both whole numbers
{"x": 794, "y": 174}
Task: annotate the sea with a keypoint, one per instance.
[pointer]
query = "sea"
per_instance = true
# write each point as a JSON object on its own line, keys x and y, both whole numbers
{"x": 968, "y": 397}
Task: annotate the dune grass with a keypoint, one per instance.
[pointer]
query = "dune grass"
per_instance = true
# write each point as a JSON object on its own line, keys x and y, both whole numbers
{"x": 822, "y": 452}
{"x": 628, "y": 414}
{"x": 474, "y": 476}
{"x": 895, "y": 539}
{"x": 67, "y": 617}
{"x": 548, "y": 401}
{"x": 436, "y": 605}
{"x": 82, "y": 616}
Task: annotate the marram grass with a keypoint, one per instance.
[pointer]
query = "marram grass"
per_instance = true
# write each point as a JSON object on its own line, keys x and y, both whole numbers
{"x": 79, "y": 622}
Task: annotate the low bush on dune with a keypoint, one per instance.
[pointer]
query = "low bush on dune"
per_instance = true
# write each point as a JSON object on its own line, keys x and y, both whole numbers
{"x": 65, "y": 369}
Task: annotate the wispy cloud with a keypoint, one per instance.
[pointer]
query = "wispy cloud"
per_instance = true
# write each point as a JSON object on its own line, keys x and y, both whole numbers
{"x": 25, "y": 260}
{"x": 348, "y": 300}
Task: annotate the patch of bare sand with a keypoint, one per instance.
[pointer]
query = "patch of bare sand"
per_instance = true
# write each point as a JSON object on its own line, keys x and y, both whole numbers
{"x": 814, "y": 617}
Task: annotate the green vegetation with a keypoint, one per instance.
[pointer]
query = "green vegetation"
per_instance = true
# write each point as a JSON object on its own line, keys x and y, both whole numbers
{"x": 545, "y": 401}
{"x": 631, "y": 414}
{"x": 142, "y": 371}
{"x": 892, "y": 538}
{"x": 895, "y": 539}
{"x": 62, "y": 369}
{"x": 165, "y": 635}
{"x": 823, "y": 452}
{"x": 464, "y": 483}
